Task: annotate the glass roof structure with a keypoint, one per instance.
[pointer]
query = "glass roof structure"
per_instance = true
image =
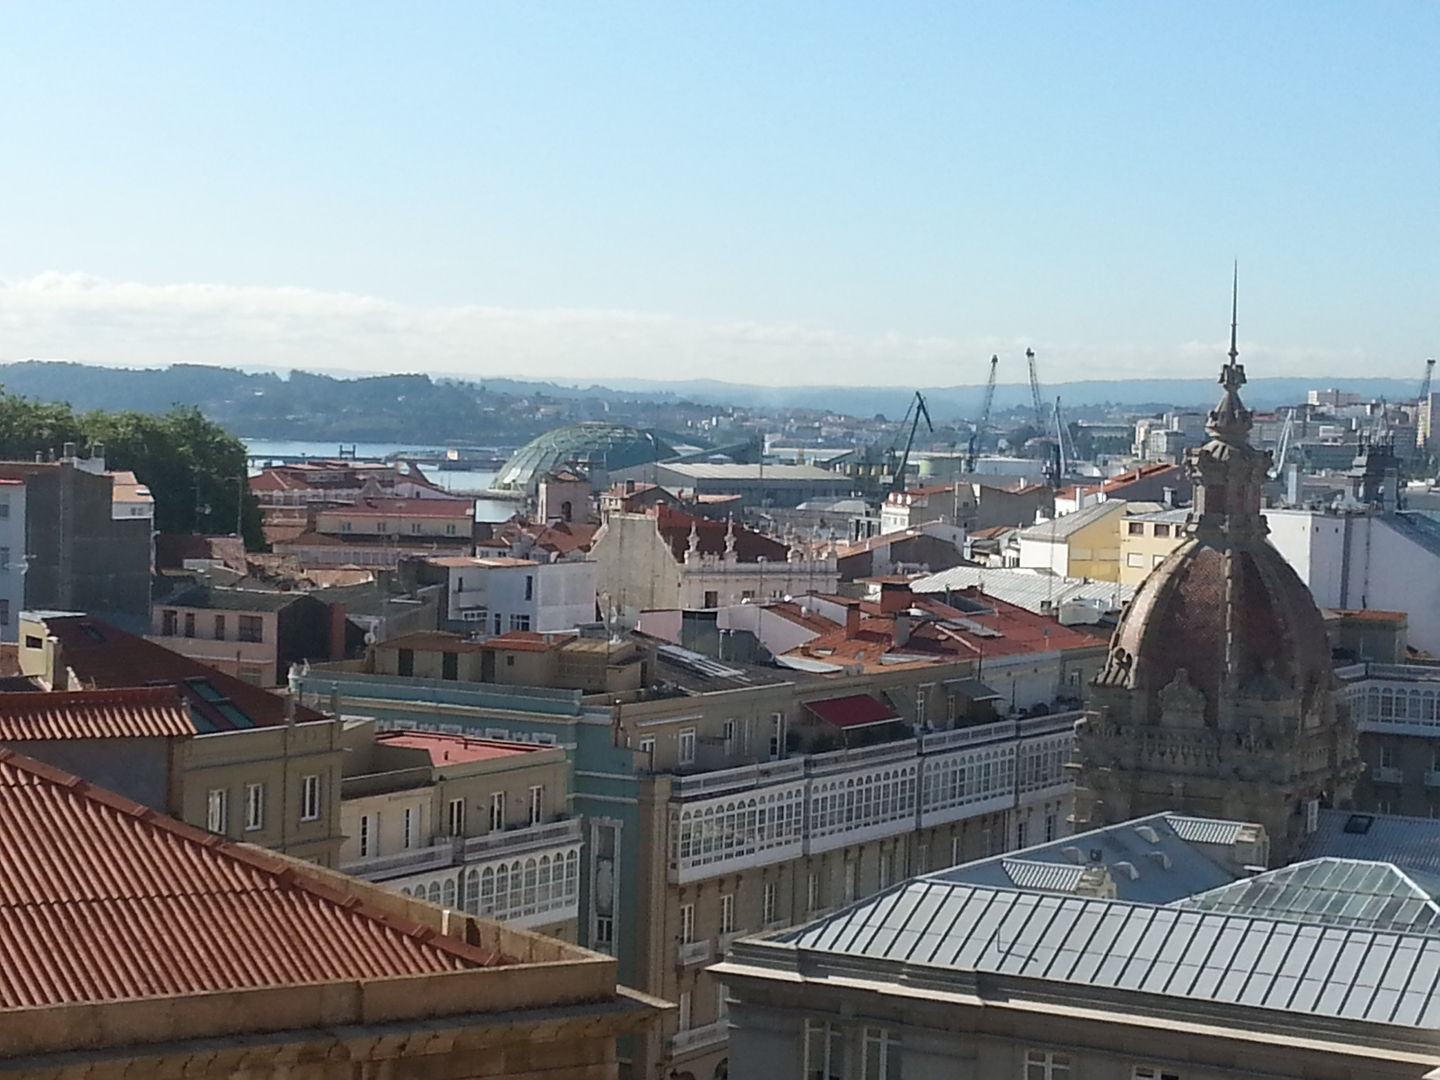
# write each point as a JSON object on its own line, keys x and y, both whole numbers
{"x": 585, "y": 446}
{"x": 1335, "y": 892}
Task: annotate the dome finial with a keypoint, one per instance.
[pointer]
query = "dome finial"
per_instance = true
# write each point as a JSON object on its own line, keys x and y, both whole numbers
{"x": 1230, "y": 421}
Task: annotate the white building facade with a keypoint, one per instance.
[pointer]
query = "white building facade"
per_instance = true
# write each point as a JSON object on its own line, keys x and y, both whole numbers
{"x": 12, "y": 557}
{"x": 490, "y": 596}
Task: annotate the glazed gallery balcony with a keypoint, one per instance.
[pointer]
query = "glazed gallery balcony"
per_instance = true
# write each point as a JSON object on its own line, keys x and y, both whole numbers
{"x": 761, "y": 814}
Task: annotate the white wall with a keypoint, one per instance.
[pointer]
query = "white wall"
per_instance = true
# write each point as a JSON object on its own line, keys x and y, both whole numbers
{"x": 561, "y": 595}
{"x": 12, "y": 564}
{"x": 1045, "y": 555}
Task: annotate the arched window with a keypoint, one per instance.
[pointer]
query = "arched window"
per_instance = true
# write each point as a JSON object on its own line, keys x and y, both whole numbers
{"x": 502, "y": 890}
{"x": 532, "y": 875}
{"x": 434, "y": 892}
{"x": 572, "y": 875}
{"x": 487, "y": 891}
{"x": 449, "y": 894}
{"x": 472, "y": 892}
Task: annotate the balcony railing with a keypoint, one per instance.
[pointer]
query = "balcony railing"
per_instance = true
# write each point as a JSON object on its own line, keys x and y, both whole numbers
{"x": 692, "y": 1039}
{"x": 690, "y": 953}
{"x": 454, "y": 851}
{"x": 1385, "y": 774}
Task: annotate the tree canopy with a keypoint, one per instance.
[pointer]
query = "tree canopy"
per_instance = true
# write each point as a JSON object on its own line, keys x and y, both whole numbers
{"x": 194, "y": 468}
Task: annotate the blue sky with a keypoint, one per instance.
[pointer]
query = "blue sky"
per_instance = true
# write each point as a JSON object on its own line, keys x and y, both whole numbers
{"x": 768, "y": 192}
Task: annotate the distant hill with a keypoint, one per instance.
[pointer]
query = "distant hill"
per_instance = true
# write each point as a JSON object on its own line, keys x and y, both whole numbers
{"x": 417, "y": 408}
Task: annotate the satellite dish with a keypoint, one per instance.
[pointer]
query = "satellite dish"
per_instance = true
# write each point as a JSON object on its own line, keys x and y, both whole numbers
{"x": 370, "y": 637}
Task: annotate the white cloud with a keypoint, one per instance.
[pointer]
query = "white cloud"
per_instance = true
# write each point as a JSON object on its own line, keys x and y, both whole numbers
{"x": 94, "y": 320}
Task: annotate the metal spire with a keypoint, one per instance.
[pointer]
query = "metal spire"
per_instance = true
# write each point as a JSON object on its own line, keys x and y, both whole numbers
{"x": 1234, "y": 309}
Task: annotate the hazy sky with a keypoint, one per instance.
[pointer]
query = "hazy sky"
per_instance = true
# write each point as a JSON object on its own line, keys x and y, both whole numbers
{"x": 768, "y": 192}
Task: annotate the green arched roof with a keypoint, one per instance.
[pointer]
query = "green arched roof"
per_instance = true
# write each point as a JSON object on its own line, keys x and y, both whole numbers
{"x": 608, "y": 446}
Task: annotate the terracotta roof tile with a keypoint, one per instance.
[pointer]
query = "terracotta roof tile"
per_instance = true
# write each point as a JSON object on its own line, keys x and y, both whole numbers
{"x": 102, "y": 656}
{"x": 102, "y": 899}
{"x": 136, "y": 712}
{"x": 522, "y": 641}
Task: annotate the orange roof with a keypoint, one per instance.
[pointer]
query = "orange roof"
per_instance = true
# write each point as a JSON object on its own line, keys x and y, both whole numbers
{"x": 455, "y": 749}
{"x": 794, "y": 613}
{"x": 137, "y": 712}
{"x": 521, "y": 641}
{"x": 102, "y": 899}
{"x": 1372, "y": 615}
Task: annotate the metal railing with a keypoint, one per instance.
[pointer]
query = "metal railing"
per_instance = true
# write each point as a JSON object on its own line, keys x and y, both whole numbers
{"x": 454, "y": 850}
{"x": 683, "y": 1042}
{"x": 508, "y": 841}
{"x": 689, "y": 953}
{"x": 1385, "y": 774}
{"x": 434, "y": 857}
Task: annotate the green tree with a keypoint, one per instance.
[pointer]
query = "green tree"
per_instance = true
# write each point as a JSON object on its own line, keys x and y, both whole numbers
{"x": 194, "y": 468}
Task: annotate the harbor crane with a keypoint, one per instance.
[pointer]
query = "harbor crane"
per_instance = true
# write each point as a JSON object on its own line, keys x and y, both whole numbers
{"x": 972, "y": 453}
{"x": 1064, "y": 442}
{"x": 1035, "y": 391}
{"x": 913, "y": 413}
{"x": 1282, "y": 446}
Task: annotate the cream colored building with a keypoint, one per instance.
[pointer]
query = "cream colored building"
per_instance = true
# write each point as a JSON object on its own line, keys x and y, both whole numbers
{"x": 479, "y": 825}
{"x": 1146, "y": 538}
{"x": 1083, "y": 544}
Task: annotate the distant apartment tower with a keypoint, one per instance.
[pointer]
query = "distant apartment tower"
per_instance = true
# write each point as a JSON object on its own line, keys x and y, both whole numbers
{"x": 82, "y": 549}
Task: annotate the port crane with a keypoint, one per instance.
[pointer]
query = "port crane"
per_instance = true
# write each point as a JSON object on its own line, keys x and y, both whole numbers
{"x": 1035, "y": 391}
{"x": 913, "y": 413}
{"x": 1282, "y": 446}
{"x": 972, "y": 452}
{"x": 1064, "y": 443}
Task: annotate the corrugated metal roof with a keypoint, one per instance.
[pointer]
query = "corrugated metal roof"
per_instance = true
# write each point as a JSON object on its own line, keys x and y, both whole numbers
{"x": 138, "y": 712}
{"x": 1289, "y": 967}
{"x": 1043, "y": 876}
{"x": 1067, "y": 525}
{"x": 1205, "y": 830}
{"x": 102, "y": 899}
{"x": 1029, "y": 589}
{"x": 1413, "y": 844}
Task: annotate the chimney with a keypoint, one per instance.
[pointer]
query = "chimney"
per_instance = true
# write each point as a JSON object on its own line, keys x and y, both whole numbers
{"x": 894, "y": 596}
{"x": 97, "y": 457}
{"x": 68, "y": 452}
{"x": 1167, "y": 496}
{"x": 852, "y": 620}
{"x": 629, "y": 487}
{"x": 902, "y": 631}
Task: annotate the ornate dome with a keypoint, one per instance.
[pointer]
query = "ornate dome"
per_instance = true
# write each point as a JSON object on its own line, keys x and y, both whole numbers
{"x": 587, "y": 445}
{"x": 1217, "y": 697}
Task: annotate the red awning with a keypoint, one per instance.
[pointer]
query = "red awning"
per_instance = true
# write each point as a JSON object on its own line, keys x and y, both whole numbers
{"x": 857, "y": 710}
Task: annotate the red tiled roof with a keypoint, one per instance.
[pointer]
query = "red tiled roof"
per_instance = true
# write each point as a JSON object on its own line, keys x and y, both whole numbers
{"x": 710, "y": 535}
{"x": 455, "y": 749}
{"x": 105, "y": 657}
{"x": 135, "y": 712}
{"x": 856, "y": 710}
{"x": 520, "y": 641}
{"x": 102, "y": 899}
{"x": 1367, "y": 614}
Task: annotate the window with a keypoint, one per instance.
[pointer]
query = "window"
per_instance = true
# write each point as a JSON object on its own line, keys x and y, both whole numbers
{"x": 407, "y": 838}
{"x": 684, "y": 1019}
{"x": 4, "y": 612}
{"x": 1051, "y": 821}
{"x": 4, "y": 559}
{"x": 251, "y": 628}
{"x": 1135, "y": 528}
{"x": 728, "y": 733}
{"x": 189, "y": 624}
{"x": 1153, "y": 1072}
{"x": 1162, "y": 531}
{"x": 727, "y": 913}
{"x": 687, "y": 923}
{"x": 647, "y": 746}
{"x": 310, "y": 798}
{"x": 1135, "y": 560}
{"x": 219, "y": 627}
{"x": 850, "y": 875}
{"x": 497, "y": 811}
{"x": 824, "y": 1051}
{"x": 215, "y": 811}
{"x": 777, "y": 736}
{"x": 519, "y": 622}
{"x": 380, "y": 526}
{"x": 457, "y": 817}
{"x": 405, "y": 662}
{"x": 498, "y": 622}
{"x": 1021, "y": 833}
{"x": 712, "y": 599}
{"x": 769, "y": 903}
{"x": 450, "y": 666}
{"x": 254, "y": 807}
{"x": 687, "y": 747}
{"x": 345, "y": 526}
{"x": 887, "y": 869}
{"x": 957, "y": 850}
{"x": 169, "y": 623}
{"x": 449, "y": 530}
{"x": 1387, "y": 757}
{"x": 881, "y": 1055}
{"x": 415, "y": 528}
{"x": 33, "y": 642}
{"x": 812, "y": 892}
{"x": 537, "y": 804}
{"x": 1046, "y": 1065}
{"x": 1156, "y": 560}
{"x": 529, "y": 586}
{"x": 367, "y": 836}
{"x": 604, "y": 930}
{"x": 4, "y": 509}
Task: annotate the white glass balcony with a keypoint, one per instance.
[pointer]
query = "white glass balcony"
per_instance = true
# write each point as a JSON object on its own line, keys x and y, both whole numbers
{"x": 690, "y": 953}
{"x": 692, "y": 1039}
